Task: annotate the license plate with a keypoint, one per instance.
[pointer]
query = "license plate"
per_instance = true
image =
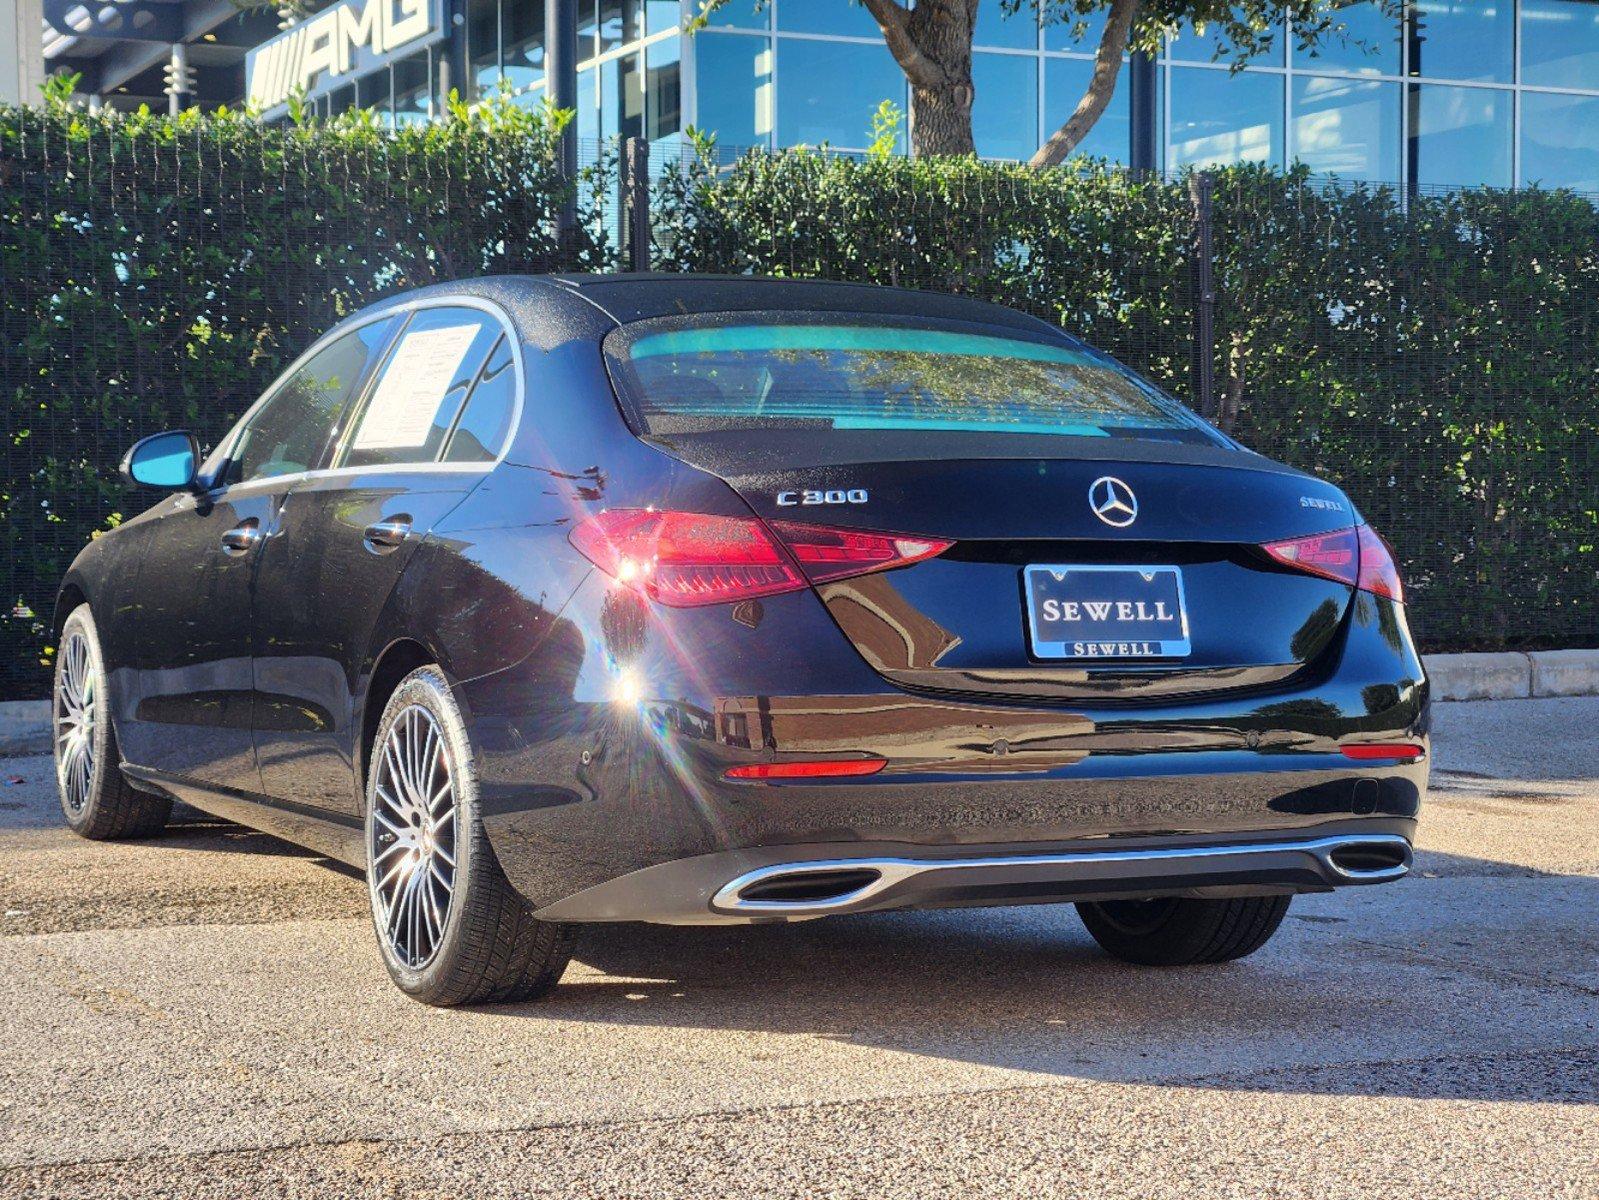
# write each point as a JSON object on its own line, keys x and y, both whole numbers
{"x": 1106, "y": 612}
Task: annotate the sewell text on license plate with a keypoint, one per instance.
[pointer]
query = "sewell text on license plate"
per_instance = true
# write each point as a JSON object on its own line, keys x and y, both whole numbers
{"x": 1105, "y": 611}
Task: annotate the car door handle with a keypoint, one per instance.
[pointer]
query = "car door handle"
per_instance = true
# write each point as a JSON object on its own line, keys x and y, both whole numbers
{"x": 238, "y": 540}
{"x": 386, "y": 535}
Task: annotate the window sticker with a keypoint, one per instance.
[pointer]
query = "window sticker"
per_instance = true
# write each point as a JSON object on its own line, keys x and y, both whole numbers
{"x": 408, "y": 396}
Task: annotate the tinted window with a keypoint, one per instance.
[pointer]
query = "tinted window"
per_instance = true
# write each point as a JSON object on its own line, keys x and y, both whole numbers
{"x": 290, "y": 431}
{"x": 412, "y": 405}
{"x": 484, "y": 424}
{"x": 730, "y": 373}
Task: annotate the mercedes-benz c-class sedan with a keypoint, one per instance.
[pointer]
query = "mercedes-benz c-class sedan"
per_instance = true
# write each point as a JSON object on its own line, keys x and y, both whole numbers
{"x": 547, "y": 601}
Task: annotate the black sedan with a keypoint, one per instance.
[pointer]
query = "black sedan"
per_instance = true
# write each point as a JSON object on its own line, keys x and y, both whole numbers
{"x": 554, "y": 600}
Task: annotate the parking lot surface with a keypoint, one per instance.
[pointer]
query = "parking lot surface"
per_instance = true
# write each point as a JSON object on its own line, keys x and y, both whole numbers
{"x": 204, "y": 1014}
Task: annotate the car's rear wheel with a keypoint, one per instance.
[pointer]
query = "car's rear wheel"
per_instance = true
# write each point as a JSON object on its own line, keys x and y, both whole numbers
{"x": 451, "y": 928}
{"x": 1171, "y": 931}
{"x": 95, "y": 798}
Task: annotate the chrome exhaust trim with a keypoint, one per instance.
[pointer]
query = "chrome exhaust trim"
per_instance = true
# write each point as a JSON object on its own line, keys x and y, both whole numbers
{"x": 1389, "y": 854}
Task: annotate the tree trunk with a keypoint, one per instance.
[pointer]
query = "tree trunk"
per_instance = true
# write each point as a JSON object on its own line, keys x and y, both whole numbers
{"x": 933, "y": 45}
{"x": 1101, "y": 87}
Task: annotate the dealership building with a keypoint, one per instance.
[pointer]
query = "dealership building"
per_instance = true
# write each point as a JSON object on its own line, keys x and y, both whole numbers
{"x": 1454, "y": 93}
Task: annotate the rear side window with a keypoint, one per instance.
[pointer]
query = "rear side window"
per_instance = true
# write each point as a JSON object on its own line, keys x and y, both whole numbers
{"x": 421, "y": 388}
{"x": 291, "y": 430}
{"x": 836, "y": 372}
{"x": 486, "y": 420}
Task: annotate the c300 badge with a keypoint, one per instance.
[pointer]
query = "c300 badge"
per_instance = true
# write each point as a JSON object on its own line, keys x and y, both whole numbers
{"x": 831, "y": 496}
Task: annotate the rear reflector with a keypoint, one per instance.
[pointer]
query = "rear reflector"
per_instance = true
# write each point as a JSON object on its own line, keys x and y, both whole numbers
{"x": 1358, "y": 557}
{"x": 815, "y": 769}
{"x": 1370, "y": 751}
{"x": 689, "y": 559}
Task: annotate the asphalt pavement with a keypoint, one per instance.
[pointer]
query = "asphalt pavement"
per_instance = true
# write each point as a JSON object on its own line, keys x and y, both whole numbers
{"x": 204, "y": 1014}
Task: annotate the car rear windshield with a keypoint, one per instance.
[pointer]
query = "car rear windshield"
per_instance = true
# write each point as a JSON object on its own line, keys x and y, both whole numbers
{"x": 771, "y": 371}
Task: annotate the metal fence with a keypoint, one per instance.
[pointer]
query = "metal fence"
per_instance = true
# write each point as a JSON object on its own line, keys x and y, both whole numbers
{"x": 1438, "y": 356}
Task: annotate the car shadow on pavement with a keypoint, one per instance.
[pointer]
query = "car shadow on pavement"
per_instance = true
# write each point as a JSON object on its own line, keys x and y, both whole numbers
{"x": 1410, "y": 975}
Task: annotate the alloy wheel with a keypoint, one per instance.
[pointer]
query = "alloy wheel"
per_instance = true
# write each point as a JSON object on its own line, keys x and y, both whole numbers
{"x": 77, "y": 706}
{"x": 412, "y": 836}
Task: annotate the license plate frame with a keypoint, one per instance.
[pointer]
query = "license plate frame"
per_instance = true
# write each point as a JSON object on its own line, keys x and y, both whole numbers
{"x": 1100, "y": 648}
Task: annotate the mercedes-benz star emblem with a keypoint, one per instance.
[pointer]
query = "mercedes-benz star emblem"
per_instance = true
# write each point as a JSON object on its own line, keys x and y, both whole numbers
{"x": 1113, "y": 501}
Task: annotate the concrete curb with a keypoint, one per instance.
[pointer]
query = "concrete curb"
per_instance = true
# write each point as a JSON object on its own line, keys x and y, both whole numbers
{"x": 25, "y": 727}
{"x": 1513, "y": 675}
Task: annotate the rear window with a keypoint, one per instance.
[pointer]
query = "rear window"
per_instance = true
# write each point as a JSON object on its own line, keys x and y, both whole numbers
{"x": 784, "y": 371}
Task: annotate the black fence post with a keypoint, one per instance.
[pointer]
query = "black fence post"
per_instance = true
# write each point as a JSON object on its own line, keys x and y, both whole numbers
{"x": 1200, "y": 187}
{"x": 560, "y": 68}
{"x": 636, "y": 202}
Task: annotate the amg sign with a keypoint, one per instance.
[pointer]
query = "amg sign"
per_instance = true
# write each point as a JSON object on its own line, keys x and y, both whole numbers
{"x": 336, "y": 47}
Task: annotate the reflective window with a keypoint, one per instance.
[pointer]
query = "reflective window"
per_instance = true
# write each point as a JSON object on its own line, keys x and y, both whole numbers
{"x": 1560, "y": 141}
{"x": 1368, "y": 44}
{"x": 1347, "y": 127}
{"x": 1560, "y": 43}
{"x": 413, "y": 91}
{"x": 622, "y": 97}
{"x": 1211, "y": 46}
{"x": 482, "y": 33}
{"x": 411, "y": 406}
{"x": 740, "y": 14}
{"x": 1462, "y": 136}
{"x": 1005, "y": 111}
{"x": 661, "y": 15}
{"x": 291, "y": 431}
{"x": 621, "y": 21}
{"x": 1061, "y": 33}
{"x": 735, "y": 88}
{"x": 588, "y": 110}
{"x": 1463, "y": 39}
{"x": 486, "y": 420}
{"x": 840, "y": 17}
{"x": 1218, "y": 118}
{"x": 663, "y": 82}
{"x": 524, "y": 44}
{"x": 830, "y": 91}
{"x": 1065, "y": 82}
{"x": 1019, "y": 31}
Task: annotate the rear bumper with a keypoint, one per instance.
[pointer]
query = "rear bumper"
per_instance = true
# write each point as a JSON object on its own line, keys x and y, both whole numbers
{"x": 807, "y": 881}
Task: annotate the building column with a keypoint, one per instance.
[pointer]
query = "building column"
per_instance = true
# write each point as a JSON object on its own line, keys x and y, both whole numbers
{"x": 21, "y": 51}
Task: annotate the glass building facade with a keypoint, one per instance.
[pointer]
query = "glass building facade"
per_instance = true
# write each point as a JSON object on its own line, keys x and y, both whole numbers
{"x": 1455, "y": 93}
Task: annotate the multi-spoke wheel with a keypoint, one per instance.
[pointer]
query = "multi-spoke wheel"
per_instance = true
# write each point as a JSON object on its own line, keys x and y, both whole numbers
{"x": 451, "y": 928}
{"x": 95, "y": 798}
{"x": 76, "y": 704}
{"x": 413, "y": 835}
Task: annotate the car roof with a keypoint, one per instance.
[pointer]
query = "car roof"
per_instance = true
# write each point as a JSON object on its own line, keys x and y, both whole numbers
{"x": 639, "y": 296}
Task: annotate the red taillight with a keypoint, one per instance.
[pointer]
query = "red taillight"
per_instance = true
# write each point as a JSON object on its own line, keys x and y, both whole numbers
{"x": 1378, "y": 573}
{"x": 1358, "y": 557}
{"x": 1330, "y": 555}
{"x": 689, "y": 559}
{"x": 815, "y": 769}
{"x": 1366, "y": 751}
{"x": 824, "y": 553}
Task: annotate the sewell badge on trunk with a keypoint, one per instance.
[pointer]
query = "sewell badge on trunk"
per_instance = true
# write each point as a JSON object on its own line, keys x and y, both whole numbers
{"x": 1118, "y": 611}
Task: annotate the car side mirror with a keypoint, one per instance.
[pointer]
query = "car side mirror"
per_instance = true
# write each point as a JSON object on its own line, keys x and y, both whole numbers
{"x": 163, "y": 460}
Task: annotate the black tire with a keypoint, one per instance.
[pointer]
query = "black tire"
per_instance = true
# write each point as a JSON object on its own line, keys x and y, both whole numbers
{"x": 97, "y": 801}
{"x": 490, "y": 947}
{"x": 1174, "y": 932}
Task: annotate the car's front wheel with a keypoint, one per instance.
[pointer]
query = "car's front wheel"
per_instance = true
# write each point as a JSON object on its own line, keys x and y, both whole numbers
{"x": 97, "y": 801}
{"x": 1172, "y": 932}
{"x": 451, "y": 928}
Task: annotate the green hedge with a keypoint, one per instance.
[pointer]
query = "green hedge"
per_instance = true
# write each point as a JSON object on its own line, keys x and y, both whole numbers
{"x": 1439, "y": 358}
{"x": 158, "y": 273}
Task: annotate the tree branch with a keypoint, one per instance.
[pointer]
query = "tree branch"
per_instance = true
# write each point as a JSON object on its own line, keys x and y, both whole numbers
{"x": 1101, "y": 87}
{"x": 894, "y": 21}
